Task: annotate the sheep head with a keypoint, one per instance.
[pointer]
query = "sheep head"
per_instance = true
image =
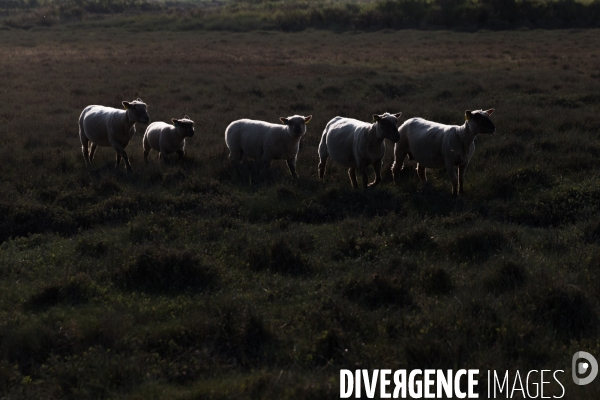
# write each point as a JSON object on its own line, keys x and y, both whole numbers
{"x": 137, "y": 111}
{"x": 184, "y": 126}
{"x": 296, "y": 124}
{"x": 386, "y": 126}
{"x": 479, "y": 121}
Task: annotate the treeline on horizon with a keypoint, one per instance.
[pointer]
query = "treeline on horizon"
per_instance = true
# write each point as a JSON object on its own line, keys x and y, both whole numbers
{"x": 297, "y": 15}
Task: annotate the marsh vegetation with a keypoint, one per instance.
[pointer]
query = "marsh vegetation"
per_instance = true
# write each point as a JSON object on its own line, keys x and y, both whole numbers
{"x": 186, "y": 281}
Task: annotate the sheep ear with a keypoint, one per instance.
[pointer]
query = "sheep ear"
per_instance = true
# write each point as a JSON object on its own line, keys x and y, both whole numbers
{"x": 398, "y": 115}
{"x": 283, "y": 120}
{"x": 140, "y": 100}
{"x": 126, "y": 104}
{"x": 186, "y": 117}
{"x": 174, "y": 121}
{"x": 307, "y": 119}
{"x": 490, "y": 111}
{"x": 468, "y": 115}
{"x": 376, "y": 117}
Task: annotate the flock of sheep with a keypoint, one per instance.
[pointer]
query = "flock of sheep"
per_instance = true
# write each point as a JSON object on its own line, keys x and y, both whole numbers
{"x": 353, "y": 144}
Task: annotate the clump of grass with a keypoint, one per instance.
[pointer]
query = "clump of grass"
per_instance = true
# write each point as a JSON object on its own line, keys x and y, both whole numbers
{"x": 78, "y": 290}
{"x": 477, "y": 244}
{"x": 277, "y": 256}
{"x": 353, "y": 247}
{"x": 437, "y": 282}
{"x": 415, "y": 238}
{"x": 107, "y": 186}
{"x": 375, "y": 292}
{"x": 430, "y": 352}
{"x": 242, "y": 334}
{"x": 329, "y": 347}
{"x": 161, "y": 270}
{"x": 591, "y": 232}
{"x": 29, "y": 218}
{"x": 568, "y": 312}
{"x": 510, "y": 276}
{"x": 149, "y": 228}
{"x": 88, "y": 246}
{"x": 522, "y": 182}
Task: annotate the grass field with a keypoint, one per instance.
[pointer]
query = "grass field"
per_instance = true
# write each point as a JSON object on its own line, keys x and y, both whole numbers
{"x": 185, "y": 281}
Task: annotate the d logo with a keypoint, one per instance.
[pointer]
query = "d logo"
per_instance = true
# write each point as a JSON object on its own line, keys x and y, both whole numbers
{"x": 582, "y": 368}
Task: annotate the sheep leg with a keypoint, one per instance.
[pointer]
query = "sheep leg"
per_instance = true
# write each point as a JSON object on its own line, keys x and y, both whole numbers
{"x": 352, "y": 174}
{"x": 323, "y": 156}
{"x": 364, "y": 175}
{"x": 399, "y": 156}
{"x": 461, "y": 177}
{"x": 162, "y": 156}
{"x": 292, "y": 166}
{"x": 84, "y": 149}
{"x": 421, "y": 172}
{"x": 93, "y": 148}
{"x": 147, "y": 148}
{"x": 127, "y": 164}
{"x": 122, "y": 154}
{"x": 377, "y": 167}
{"x": 452, "y": 172}
{"x": 236, "y": 158}
{"x": 84, "y": 143}
{"x": 266, "y": 168}
{"x": 322, "y": 164}
{"x": 180, "y": 154}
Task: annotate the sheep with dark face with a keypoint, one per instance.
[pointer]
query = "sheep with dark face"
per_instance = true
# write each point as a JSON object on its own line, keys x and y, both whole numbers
{"x": 357, "y": 145}
{"x": 265, "y": 141}
{"x": 166, "y": 138}
{"x": 435, "y": 145}
{"x": 110, "y": 127}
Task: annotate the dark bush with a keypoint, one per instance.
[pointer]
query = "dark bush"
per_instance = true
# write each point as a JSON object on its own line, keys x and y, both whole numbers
{"x": 91, "y": 247}
{"x": 477, "y": 244}
{"x": 509, "y": 276}
{"x": 329, "y": 347}
{"x": 376, "y": 292}
{"x": 161, "y": 270}
{"x": 437, "y": 282}
{"x": 351, "y": 247}
{"x": 278, "y": 257}
{"x": 79, "y": 290}
{"x": 568, "y": 312}
{"x": 414, "y": 238}
{"x": 243, "y": 335}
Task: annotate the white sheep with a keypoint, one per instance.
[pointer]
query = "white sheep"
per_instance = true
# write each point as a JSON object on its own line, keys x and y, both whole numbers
{"x": 264, "y": 141}
{"x": 356, "y": 144}
{"x": 110, "y": 127}
{"x": 435, "y": 145}
{"x": 166, "y": 138}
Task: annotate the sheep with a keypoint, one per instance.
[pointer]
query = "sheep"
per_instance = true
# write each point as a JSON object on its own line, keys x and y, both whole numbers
{"x": 166, "y": 138}
{"x": 356, "y": 144}
{"x": 107, "y": 126}
{"x": 265, "y": 141}
{"x": 435, "y": 145}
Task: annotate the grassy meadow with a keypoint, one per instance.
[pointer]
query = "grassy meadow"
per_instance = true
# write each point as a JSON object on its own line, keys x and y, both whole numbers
{"x": 187, "y": 281}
